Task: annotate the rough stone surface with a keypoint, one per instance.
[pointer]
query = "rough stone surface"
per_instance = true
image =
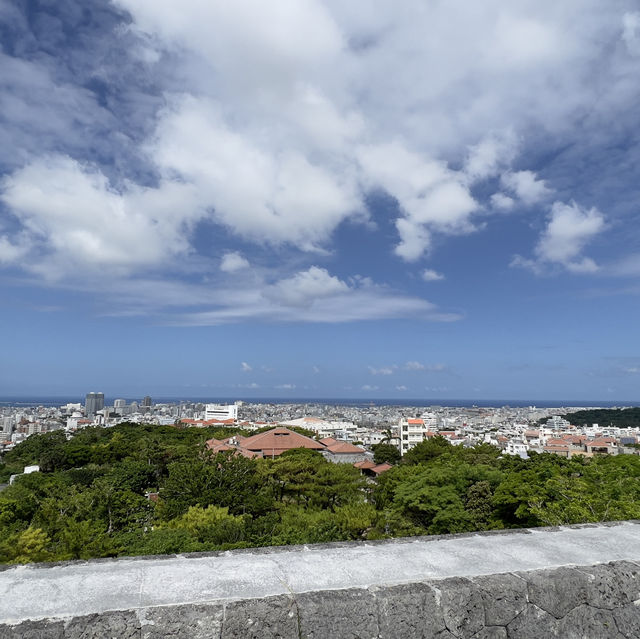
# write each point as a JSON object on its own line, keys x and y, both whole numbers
{"x": 409, "y": 611}
{"x": 628, "y": 621}
{"x": 585, "y": 621}
{"x": 462, "y": 607}
{"x": 259, "y": 595}
{"x": 504, "y": 597}
{"x": 110, "y": 625}
{"x": 533, "y": 623}
{"x": 270, "y": 618}
{"x": 557, "y": 591}
{"x": 491, "y": 632}
{"x": 339, "y": 614}
{"x": 612, "y": 585}
{"x": 194, "y": 622}
{"x": 33, "y": 630}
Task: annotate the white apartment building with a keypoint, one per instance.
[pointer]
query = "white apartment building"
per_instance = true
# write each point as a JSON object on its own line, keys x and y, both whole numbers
{"x": 413, "y": 431}
{"x": 220, "y": 412}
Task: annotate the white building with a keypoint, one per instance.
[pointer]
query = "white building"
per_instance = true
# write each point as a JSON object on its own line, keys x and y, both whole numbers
{"x": 413, "y": 431}
{"x": 323, "y": 428}
{"x": 220, "y": 412}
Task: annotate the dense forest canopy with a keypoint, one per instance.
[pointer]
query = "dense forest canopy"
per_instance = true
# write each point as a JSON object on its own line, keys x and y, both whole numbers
{"x": 95, "y": 494}
{"x": 621, "y": 418}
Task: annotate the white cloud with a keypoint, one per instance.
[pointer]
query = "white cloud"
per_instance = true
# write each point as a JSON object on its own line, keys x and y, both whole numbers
{"x": 569, "y": 229}
{"x": 10, "y": 252}
{"x": 368, "y": 387}
{"x": 432, "y": 197}
{"x": 309, "y": 296}
{"x": 502, "y": 202}
{"x": 305, "y": 288}
{"x": 429, "y": 275}
{"x": 526, "y": 186}
{"x": 277, "y": 120}
{"x": 631, "y": 31}
{"x": 232, "y": 262}
{"x": 384, "y": 370}
{"x": 78, "y": 219}
{"x": 419, "y": 366}
{"x": 286, "y": 386}
{"x": 401, "y": 388}
{"x": 246, "y": 368}
{"x": 490, "y": 155}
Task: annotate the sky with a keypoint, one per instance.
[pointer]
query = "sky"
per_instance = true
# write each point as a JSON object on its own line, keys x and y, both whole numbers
{"x": 317, "y": 198}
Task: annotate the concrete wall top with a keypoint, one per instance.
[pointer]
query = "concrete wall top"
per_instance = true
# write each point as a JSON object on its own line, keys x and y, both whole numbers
{"x": 80, "y": 588}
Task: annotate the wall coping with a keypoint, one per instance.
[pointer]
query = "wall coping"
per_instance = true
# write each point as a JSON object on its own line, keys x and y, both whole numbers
{"x": 72, "y": 589}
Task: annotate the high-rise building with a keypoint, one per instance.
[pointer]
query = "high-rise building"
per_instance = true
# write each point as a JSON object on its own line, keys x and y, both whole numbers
{"x": 119, "y": 406}
{"x": 146, "y": 401}
{"x": 93, "y": 403}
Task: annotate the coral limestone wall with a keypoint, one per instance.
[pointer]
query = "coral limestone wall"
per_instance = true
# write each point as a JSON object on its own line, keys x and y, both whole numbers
{"x": 598, "y": 601}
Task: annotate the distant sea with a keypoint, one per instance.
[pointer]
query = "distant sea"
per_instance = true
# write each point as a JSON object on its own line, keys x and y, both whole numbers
{"x": 336, "y": 401}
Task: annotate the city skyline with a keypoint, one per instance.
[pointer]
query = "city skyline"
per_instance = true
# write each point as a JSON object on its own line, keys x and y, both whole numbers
{"x": 310, "y": 200}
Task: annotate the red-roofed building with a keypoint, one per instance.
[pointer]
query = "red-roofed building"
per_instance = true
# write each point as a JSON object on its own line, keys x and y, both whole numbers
{"x": 344, "y": 452}
{"x": 276, "y": 441}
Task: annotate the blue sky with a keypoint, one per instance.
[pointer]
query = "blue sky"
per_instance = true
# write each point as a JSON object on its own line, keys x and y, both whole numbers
{"x": 307, "y": 199}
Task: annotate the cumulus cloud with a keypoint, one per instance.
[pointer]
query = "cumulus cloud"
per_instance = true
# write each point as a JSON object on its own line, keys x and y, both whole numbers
{"x": 429, "y": 275}
{"x": 432, "y": 197}
{"x": 490, "y": 155}
{"x": 526, "y": 186}
{"x": 232, "y": 262}
{"x": 384, "y": 370}
{"x": 419, "y": 366}
{"x": 246, "y": 368}
{"x": 569, "y": 229}
{"x": 305, "y": 288}
{"x": 74, "y": 215}
{"x": 502, "y": 202}
{"x": 275, "y": 129}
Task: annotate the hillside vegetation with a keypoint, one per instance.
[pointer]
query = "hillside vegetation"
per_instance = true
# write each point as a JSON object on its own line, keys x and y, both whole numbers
{"x": 621, "y": 418}
{"x": 90, "y": 500}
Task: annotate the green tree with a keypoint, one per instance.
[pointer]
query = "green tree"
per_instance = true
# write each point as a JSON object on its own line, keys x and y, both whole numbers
{"x": 211, "y": 526}
{"x": 385, "y": 453}
{"x": 427, "y": 450}
{"x": 26, "y": 546}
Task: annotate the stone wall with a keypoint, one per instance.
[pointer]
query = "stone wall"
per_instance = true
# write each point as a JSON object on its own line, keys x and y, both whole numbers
{"x": 598, "y": 601}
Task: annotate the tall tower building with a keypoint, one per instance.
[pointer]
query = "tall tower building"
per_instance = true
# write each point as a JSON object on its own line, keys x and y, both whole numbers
{"x": 146, "y": 402}
{"x": 93, "y": 403}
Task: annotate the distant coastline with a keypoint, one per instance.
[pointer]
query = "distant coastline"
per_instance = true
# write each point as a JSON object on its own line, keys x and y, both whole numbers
{"x": 335, "y": 401}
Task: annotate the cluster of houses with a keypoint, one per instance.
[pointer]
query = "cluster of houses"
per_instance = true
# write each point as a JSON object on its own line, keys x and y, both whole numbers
{"x": 272, "y": 443}
{"x": 557, "y": 436}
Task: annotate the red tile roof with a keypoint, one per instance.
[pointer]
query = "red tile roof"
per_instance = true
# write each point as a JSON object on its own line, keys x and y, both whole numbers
{"x": 381, "y": 468}
{"x": 276, "y": 441}
{"x": 344, "y": 448}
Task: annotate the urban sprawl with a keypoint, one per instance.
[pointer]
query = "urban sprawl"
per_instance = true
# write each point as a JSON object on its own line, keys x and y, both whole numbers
{"x": 515, "y": 430}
